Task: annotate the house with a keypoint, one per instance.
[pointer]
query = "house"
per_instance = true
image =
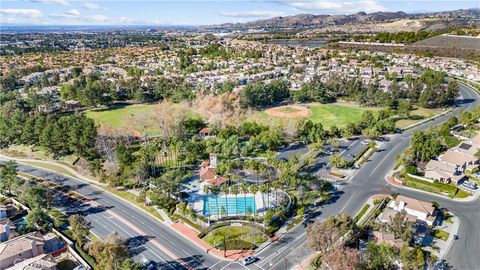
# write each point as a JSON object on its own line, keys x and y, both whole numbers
{"x": 40, "y": 262}
{"x": 205, "y": 132}
{"x": 7, "y": 229}
{"x": 459, "y": 158}
{"x": 208, "y": 173}
{"x": 422, "y": 210}
{"x": 19, "y": 249}
{"x": 3, "y": 211}
{"x": 26, "y": 247}
{"x": 443, "y": 172}
{"x": 388, "y": 214}
{"x": 388, "y": 238}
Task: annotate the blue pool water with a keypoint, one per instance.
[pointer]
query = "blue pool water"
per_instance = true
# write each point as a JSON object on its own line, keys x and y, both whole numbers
{"x": 238, "y": 206}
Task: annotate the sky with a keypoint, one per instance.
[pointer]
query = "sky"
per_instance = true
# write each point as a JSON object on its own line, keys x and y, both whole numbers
{"x": 197, "y": 12}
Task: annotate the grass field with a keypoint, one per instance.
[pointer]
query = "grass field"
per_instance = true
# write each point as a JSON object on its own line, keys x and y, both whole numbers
{"x": 124, "y": 117}
{"x": 236, "y": 237}
{"x": 417, "y": 115}
{"x": 338, "y": 114}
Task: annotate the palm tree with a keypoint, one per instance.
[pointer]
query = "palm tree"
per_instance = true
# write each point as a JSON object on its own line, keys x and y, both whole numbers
{"x": 244, "y": 189}
{"x": 235, "y": 191}
{"x": 225, "y": 191}
{"x": 254, "y": 190}
{"x": 215, "y": 190}
{"x": 206, "y": 190}
{"x": 337, "y": 160}
{"x": 276, "y": 186}
{"x": 263, "y": 189}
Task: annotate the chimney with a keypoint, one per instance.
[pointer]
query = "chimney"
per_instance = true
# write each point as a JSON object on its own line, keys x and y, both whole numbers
{"x": 33, "y": 244}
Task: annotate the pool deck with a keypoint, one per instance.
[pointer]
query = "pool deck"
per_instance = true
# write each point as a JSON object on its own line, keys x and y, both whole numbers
{"x": 197, "y": 201}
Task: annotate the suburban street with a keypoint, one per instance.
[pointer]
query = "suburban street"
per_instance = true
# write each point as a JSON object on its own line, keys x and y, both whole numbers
{"x": 150, "y": 239}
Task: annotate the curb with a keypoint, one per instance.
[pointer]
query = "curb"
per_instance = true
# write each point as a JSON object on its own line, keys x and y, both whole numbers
{"x": 92, "y": 182}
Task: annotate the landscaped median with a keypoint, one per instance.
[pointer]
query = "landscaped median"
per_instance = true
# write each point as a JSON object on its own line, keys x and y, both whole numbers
{"x": 193, "y": 235}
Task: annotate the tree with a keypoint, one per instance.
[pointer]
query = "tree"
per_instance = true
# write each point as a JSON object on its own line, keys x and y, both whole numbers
{"x": 378, "y": 256}
{"x": 36, "y": 216}
{"x": 371, "y": 133}
{"x": 58, "y": 218}
{"x": 235, "y": 190}
{"x": 79, "y": 228}
{"x": 400, "y": 226}
{"x": 404, "y": 108}
{"x": 323, "y": 236}
{"x": 342, "y": 258}
{"x": 413, "y": 259}
{"x": 425, "y": 145}
{"x": 37, "y": 196}
{"x": 110, "y": 254}
{"x": 338, "y": 161}
{"x": 8, "y": 176}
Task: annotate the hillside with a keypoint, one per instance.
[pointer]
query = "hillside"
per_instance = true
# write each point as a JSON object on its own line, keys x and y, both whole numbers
{"x": 367, "y": 21}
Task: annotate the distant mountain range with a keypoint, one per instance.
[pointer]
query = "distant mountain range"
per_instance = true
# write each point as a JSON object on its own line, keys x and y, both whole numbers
{"x": 309, "y": 20}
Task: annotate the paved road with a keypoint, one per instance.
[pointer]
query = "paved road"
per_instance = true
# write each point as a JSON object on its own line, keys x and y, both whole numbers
{"x": 153, "y": 240}
{"x": 147, "y": 238}
{"x": 368, "y": 181}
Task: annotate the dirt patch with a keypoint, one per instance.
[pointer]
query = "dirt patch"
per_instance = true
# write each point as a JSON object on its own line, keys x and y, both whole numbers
{"x": 289, "y": 111}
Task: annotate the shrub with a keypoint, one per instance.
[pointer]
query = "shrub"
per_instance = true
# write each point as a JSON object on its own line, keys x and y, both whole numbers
{"x": 182, "y": 206}
{"x": 411, "y": 169}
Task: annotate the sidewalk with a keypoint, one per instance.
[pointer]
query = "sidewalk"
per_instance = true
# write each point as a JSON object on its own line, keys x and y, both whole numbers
{"x": 191, "y": 234}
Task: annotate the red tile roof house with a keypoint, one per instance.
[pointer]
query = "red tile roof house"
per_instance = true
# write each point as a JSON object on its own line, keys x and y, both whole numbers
{"x": 205, "y": 132}
{"x": 210, "y": 176}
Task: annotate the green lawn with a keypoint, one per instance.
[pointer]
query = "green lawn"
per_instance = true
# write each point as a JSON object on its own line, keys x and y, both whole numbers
{"x": 416, "y": 116}
{"x": 441, "y": 234}
{"x": 134, "y": 118}
{"x": 236, "y": 237}
{"x": 436, "y": 187}
{"x": 362, "y": 212}
{"x": 338, "y": 114}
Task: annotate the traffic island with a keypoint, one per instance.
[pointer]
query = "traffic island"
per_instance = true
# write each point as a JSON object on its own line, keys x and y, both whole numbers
{"x": 192, "y": 235}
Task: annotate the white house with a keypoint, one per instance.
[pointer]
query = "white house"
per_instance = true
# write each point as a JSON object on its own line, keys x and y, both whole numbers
{"x": 422, "y": 210}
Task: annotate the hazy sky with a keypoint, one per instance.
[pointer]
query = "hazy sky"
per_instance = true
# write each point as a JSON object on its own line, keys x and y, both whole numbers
{"x": 196, "y": 12}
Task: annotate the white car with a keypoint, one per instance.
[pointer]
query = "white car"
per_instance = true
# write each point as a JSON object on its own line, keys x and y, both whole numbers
{"x": 248, "y": 260}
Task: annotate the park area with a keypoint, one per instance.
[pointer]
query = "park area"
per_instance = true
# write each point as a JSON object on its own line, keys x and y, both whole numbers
{"x": 235, "y": 237}
{"x": 338, "y": 114}
{"x": 139, "y": 119}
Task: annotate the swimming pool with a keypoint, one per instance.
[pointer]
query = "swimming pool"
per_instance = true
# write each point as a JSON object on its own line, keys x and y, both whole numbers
{"x": 232, "y": 205}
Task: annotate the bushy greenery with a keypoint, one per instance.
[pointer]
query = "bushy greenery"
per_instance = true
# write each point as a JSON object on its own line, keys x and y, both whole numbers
{"x": 260, "y": 94}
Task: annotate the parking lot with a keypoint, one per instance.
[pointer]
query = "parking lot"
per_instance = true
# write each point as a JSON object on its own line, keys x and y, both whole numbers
{"x": 347, "y": 148}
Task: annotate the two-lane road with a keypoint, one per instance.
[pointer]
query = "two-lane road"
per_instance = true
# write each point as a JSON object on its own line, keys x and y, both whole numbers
{"x": 368, "y": 181}
{"x": 152, "y": 240}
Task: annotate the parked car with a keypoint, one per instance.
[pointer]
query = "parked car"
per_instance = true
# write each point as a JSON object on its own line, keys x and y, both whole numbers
{"x": 248, "y": 260}
{"x": 151, "y": 265}
{"x": 470, "y": 185}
